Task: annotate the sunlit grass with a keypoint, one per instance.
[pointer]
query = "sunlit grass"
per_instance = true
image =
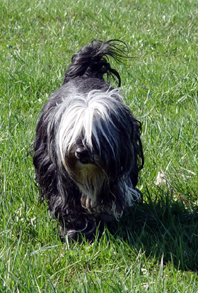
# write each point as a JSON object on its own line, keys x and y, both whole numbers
{"x": 154, "y": 247}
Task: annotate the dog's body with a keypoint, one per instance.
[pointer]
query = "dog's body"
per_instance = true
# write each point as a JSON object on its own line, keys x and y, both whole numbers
{"x": 87, "y": 150}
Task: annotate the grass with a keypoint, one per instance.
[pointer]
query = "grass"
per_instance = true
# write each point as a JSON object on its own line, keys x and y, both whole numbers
{"x": 153, "y": 248}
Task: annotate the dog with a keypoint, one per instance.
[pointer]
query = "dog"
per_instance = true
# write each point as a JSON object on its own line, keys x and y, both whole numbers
{"x": 87, "y": 149}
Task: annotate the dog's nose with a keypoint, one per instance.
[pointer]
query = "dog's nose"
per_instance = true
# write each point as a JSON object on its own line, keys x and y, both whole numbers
{"x": 82, "y": 155}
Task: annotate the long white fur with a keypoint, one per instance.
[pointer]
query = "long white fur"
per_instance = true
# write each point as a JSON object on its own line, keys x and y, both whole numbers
{"x": 79, "y": 116}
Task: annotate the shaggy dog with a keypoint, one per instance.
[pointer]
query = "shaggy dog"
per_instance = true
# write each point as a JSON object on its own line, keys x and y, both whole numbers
{"x": 87, "y": 149}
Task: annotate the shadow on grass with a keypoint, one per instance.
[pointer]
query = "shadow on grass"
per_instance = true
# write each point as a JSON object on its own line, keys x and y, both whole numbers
{"x": 162, "y": 227}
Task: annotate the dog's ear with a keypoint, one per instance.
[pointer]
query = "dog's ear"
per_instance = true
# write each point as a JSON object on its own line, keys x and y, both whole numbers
{"x": 92, "y": 60}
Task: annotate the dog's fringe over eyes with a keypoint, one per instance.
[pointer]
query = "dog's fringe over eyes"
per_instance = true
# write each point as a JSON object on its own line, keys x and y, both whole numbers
{"x": 87, "y": 149}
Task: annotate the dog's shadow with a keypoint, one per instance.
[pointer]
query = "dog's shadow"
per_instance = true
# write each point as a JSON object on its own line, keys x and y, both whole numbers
{"x": 163, "y": 227}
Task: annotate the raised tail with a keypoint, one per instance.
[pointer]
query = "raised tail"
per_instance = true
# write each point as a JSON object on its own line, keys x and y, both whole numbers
{"x": 92, "y": 60}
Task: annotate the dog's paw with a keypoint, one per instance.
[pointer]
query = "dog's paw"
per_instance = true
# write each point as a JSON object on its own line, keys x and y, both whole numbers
{"x": 92, "y": 229}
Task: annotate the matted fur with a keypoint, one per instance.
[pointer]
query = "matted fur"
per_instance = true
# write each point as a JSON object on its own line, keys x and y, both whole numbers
{"x": 87, "y": 149}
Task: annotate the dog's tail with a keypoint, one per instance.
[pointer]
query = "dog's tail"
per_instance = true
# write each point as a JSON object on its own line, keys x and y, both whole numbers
{"x": 92, "y": 60}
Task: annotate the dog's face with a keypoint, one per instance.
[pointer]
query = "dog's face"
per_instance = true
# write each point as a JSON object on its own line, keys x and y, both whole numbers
{"x": 87, "y": 139}
{"x": 95, "y": 144}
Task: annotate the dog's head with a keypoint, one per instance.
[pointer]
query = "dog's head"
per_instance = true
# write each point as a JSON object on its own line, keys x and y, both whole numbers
{"x": 97, "y": 143}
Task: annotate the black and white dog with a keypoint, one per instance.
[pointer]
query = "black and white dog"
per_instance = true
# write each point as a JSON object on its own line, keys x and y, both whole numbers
{"x": 87, "y": 149}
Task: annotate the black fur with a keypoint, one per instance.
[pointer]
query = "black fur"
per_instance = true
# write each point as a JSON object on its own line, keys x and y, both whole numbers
{"x": 115, "y": 150}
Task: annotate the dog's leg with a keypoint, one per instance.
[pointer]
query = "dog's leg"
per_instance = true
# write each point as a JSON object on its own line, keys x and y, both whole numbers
{"x": 78, "y": 225}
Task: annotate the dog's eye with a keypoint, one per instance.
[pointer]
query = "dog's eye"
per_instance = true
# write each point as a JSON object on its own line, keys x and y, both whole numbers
{"x": 82, "y": 155}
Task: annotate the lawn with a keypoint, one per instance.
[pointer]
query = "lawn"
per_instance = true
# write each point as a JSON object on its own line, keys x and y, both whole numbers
{"x": 154, "y": 248}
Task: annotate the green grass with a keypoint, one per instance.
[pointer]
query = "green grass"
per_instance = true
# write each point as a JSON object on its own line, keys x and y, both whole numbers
{"x": 155, "y": 247}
